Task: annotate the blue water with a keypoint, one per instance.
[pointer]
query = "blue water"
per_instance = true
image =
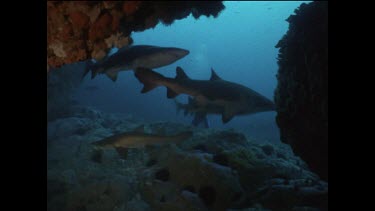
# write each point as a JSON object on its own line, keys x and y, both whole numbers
{"x": 239, "y": 44}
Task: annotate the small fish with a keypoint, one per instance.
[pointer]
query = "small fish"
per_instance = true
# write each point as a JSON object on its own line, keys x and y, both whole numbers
{"x": 131, "y": 57}
{"x": 139, "y": 139}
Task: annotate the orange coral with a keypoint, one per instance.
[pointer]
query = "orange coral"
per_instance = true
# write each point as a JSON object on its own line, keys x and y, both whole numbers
{"x": 98, "y": 51}
{"x": 55, "y": 61}
{"x": 101, "y": 28}
{"x": 151, "y": 21}
{"x": 130, "y": 7}
{"x": 79, "y": 20}
{"x": 67, "y": 32}
{"x": 78, "y": 52}
{"x": 115, "y": 23}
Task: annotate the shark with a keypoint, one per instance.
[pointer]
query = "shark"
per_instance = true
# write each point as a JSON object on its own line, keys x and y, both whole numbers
{"x": 132, "y": 57}
{"x": 138, "y": 139}
{"x": 231, "y": 99}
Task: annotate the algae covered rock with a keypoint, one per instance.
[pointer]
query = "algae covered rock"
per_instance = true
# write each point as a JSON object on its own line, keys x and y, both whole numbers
{"x": 215, "y": 141}
{"x": 301, "y": 96}
{"x": 213, "y": 170}
{"x": 70, "y": 126}
{"x": 137, "y": 204}
{"x": 251, "y": 171}
{"x": 216, "y": 186}
{"x": 103, "y": 195}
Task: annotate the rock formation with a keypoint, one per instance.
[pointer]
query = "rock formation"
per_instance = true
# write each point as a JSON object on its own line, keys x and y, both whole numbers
{"x": 81, "y": 30}
{"x": 301, "y": 96}
{"x": 214, "y": 170}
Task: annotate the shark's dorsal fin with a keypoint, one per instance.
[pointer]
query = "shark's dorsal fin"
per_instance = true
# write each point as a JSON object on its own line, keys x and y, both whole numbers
{"x": 139, "y": 129}
{"x": 180, "y": 74}
{"x": 112, "y": 75}
{"x": 93, "y": 74}
{"x": 214, "y": 75}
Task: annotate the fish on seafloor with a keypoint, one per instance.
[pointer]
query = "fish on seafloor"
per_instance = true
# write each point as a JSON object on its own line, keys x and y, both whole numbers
{"x": 234, "y": 99}
{"x": 131, "y": 57}
{"x": 138, "y": 139}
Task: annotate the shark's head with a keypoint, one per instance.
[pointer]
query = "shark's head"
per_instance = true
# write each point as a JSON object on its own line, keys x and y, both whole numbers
{"x": 177, "y": 53}
{"x": 170, "y": 55}
{"x": 260, "y": 104}
{"x": 265, "y": 105}
{"x": 162, "y": 57}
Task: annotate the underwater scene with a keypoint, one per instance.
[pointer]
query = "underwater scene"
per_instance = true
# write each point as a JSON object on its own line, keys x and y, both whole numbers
{"x": 185, "y": 105}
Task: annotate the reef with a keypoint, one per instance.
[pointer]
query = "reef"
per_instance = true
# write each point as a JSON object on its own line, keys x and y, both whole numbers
{"x": 213, "y": 170}
{"x": 81, "y": 30}
{"x": 301, "y": 95}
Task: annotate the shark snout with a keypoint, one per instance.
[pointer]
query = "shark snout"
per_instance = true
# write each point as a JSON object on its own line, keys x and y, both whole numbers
{"x": 179, "y": 52}
{"x": 184, "y": 52}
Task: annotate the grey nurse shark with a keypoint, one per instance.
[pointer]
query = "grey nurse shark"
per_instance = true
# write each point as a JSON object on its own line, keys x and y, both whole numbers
{"x": 210, "y": 96}
{"x": 138, "y": 139}
{"x": 132, "y": 57}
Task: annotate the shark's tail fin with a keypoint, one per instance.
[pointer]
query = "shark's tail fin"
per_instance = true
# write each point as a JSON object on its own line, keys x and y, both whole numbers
{"x": 89, "y": 66}
{"x": 149, "y": 78}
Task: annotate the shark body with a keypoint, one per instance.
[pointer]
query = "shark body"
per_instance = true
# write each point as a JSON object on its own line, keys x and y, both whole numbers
{"x": 199, "y": 112}
{"x": 225, "y": 97}
{"x": 130, "y": 58}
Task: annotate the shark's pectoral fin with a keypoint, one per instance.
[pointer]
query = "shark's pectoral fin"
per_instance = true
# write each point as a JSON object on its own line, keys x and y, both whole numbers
{"x": 147, "y": 87}
{"x": 89, "y": 66}
{"x": 171, "y": 93}
{"x": 148, "y": 77}
{"x": 112, "y": 75}
{"x": 228, "y": 114}
{"x": 93, "y": 74}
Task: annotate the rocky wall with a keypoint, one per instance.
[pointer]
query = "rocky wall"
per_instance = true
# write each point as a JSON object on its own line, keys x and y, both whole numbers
{"x": 301, "y": 95}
